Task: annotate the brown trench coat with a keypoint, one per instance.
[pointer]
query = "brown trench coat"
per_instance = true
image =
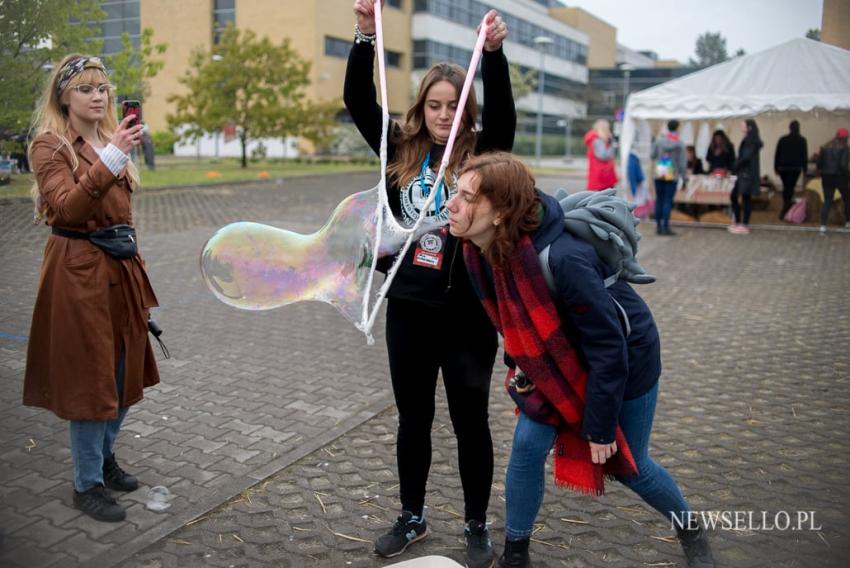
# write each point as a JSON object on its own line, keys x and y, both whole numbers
{"x": 89, "y": 304}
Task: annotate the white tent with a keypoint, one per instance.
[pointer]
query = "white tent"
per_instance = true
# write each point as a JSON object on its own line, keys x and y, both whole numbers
{"x": 801, "y": 79}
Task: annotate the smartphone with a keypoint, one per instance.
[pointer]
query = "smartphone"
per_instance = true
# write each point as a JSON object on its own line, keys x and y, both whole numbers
{"x": 133, "y": 108}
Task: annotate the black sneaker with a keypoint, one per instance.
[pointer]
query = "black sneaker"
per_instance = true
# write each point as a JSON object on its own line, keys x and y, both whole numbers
{"x": 406, "y": 530}
{"x": 99, "y": 505}
{"x": 479, "y": 549}
{"x": 116, "y": 478}
{"x": 515, "y": 554}
{"x": 695, "y": 544}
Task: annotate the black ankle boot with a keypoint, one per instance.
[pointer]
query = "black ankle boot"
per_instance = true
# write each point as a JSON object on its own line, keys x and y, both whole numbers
{"x": 116, "y": 478}
{"x": 695, "y": 544}
{"x": 515, "y": 554}
{"x": 98, "y": 505}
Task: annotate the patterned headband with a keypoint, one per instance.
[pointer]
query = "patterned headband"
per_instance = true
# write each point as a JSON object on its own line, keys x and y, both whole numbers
{"x": 74, "y": 67}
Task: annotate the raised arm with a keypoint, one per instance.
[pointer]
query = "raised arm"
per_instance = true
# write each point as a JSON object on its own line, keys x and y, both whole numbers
{"x": 359, "y": 93}
{"x": 498, "y": 118}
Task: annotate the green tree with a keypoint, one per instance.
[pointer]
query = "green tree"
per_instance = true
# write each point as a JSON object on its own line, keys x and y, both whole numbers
{"x": 522, "y": 83}
{"x": 813, "y": 33}
{"x": 34, "y": 36}
{"x": 710, "y": 50}
{"x": 253, "y": 83}
{"x": 132, "y": 69}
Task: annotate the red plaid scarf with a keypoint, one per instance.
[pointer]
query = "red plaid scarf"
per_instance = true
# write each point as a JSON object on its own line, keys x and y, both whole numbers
{"x": 521, "y": 308}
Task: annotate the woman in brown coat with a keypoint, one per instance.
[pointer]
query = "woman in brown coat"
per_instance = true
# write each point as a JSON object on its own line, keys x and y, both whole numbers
{"x": 88, "y": 357}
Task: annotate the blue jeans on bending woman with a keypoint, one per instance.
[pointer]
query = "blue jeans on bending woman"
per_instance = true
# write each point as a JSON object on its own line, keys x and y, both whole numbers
{"x": 526, "y": 477}
{"x": 92, "y": 440}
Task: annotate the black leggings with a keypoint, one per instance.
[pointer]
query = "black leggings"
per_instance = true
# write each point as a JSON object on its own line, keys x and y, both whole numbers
{"x": 422, "y": 340}
{"x": 736, "y": 208}
{"x": 789, "y": 181}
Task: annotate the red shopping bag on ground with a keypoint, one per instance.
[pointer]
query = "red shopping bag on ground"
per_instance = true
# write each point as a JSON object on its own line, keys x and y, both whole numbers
{"x": 797, "y": 213}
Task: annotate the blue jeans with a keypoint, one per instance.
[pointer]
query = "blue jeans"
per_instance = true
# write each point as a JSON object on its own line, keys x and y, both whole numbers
{"x": 525, "y": 481}
{"x": 92, "y": 441}
{"x": 664, "y": 193}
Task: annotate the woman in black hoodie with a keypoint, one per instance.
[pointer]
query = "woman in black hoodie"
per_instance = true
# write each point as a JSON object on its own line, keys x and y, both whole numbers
{"x": 748, "y": 172}
{"x": 790, "y": 159}
{"x": 434, "y": 320}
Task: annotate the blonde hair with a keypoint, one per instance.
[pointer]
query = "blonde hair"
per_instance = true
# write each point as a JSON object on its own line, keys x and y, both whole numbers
{"x": 51, "y": 117}
{"x": 412, "y": 138}
{"x": 603, "y": 128}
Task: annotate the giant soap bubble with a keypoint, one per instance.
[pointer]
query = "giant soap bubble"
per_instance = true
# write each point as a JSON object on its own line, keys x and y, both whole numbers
{"x": 259, "y": 267}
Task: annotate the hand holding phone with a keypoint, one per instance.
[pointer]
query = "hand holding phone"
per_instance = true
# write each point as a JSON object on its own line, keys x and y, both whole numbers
{"x": 133, "y": 108}
{"x": 129, "y": 130}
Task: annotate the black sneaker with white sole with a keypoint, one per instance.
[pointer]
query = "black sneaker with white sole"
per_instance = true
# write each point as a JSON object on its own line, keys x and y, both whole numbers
{"x": 406, "y": 530}
{"x": 479, "y": 548}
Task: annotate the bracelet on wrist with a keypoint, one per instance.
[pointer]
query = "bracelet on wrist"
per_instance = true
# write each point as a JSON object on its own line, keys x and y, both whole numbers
{"x": 360, "y": 37}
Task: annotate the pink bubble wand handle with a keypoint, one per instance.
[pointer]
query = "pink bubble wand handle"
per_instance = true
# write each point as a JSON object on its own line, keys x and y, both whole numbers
{"x": 464, "y": 94}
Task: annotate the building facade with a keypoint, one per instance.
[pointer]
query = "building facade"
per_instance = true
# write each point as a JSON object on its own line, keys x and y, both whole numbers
{"x": 444, "y": 30}
{"x": 417, "y": 33}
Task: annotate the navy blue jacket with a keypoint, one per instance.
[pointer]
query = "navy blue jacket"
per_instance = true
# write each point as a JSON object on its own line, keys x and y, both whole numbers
{"x": 618, "y": 368}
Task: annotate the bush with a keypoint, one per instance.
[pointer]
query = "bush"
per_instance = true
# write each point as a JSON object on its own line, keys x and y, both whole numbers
{"x": 163, "y": 142}
{"x": 551, "y": 145}
{"x": 347, "y": 141}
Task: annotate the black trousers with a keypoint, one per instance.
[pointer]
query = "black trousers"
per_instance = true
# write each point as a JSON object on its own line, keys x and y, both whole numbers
{"x": 736, "y": 208}
{"x": 421, "y": 341}
{"x": 789, "y": 182}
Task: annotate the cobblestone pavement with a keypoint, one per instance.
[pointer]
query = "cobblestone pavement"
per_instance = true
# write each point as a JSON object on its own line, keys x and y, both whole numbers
{"x": 753, "y": 414}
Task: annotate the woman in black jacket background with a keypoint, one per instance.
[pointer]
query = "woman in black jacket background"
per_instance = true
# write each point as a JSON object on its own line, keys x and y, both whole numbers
{"x": 721, "y": 153}
{"x": 747, "y": 169}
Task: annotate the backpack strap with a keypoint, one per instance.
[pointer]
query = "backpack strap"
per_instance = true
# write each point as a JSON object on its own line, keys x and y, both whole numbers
{"x": 543, "y": 255}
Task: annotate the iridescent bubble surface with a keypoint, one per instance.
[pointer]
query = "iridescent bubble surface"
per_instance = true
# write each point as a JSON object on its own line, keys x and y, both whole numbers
{"x": 259, "y": 267}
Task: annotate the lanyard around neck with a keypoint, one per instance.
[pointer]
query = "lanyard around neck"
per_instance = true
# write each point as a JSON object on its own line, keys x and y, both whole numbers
{"x": 425, "y": 191}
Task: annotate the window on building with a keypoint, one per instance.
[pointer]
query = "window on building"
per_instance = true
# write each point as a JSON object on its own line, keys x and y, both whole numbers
{"x": 469, "y": 13}
{"x": 224, "y": 13}
{"x": 335, "y": 47}
{"x": 122, "y": 16}
{"x": 394, "y": 3}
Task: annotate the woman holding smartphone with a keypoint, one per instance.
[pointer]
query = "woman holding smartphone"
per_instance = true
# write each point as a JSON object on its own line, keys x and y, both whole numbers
{"x": 88, "y": 357}
{"x": 434, "y": 322}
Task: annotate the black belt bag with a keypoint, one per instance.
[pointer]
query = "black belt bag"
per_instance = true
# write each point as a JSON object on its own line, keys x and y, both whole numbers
{"x": 118, "y": 241}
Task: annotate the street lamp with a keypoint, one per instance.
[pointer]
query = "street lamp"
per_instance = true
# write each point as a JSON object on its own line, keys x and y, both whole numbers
{"x": 541, "y": 42}
{"x": 567, "y": 125}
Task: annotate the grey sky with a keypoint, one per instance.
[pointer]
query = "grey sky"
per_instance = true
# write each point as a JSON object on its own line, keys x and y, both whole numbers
{"x": 670, "y": 27}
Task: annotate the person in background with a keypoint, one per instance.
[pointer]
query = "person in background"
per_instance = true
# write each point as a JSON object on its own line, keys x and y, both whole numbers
{"x": 789, "y": 161}
{"x": 694, "y": 163}
{"x": 431, "y": 291}
{"x": 833, "y": 165}
{"x": 670, "y": 167}
{"x": 720, "y": 157}
{"x": 601, "y": 151}
{"x": 592, "y": 353}
{"x": 88, "y": 357}
{"x": 747, "y": 170}
{"x": 147, "y": 148}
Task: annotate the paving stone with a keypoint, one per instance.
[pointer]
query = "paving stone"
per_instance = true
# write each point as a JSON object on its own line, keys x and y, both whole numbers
{"x": 752, "y": 414}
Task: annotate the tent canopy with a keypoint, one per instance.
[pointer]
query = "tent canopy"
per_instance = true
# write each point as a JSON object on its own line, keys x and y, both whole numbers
{"x": 794, "y": 78}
